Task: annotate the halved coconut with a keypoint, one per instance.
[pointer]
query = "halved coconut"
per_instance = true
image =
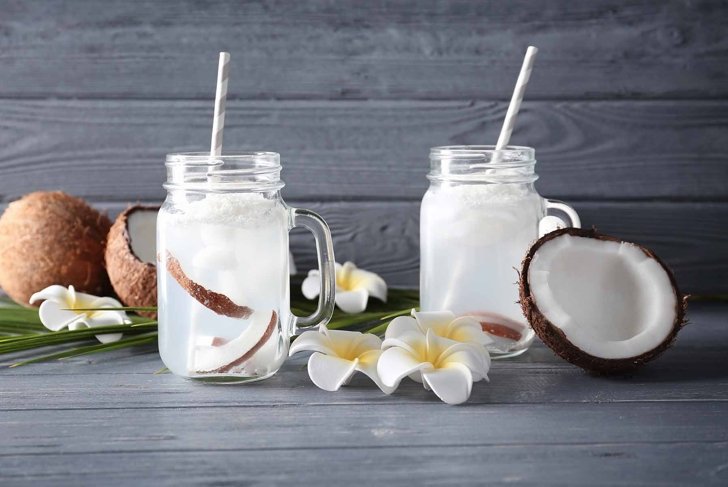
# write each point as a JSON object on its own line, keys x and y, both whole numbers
{"x": 130, "y": 256}
{"x": 599, "y": 302}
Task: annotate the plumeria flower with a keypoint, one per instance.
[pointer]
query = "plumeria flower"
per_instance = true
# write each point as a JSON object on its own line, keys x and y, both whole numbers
{"x": 444, "y": 324}
{"x": 353, "y": 287}
{"x": 338, "y": 354}
{"x": 445, "y": 366}
{"x": 60, "y": 305}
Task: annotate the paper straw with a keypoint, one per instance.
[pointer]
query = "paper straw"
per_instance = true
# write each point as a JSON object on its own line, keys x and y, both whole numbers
{"x": 515, "y": 105}
{"x": 218, "y": 122}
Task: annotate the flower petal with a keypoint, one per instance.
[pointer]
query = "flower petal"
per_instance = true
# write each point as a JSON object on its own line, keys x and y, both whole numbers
{"x": 361, "y": 279}
{"x": 412, "y": 341}
{"x": 366, "y": 342}
{"x": 106, "y": 318}
{"x": 329, "y": 373}
{"x": 311, "y": 286}
{"x": 367, "y": 364}
{"x": 53, "y": 293}
{"x": 55, "y": 317}
{"x": 352, "y": 301}
{"x": 437, "y": 321}
{"x": 468, "y": 329}
{"x": 401, "y": 325}
{"x": 477, "y": 360}
{"x": 109, "y": 337}
{"x": 104, "y": 302}
{"x": 452, "y": 384}
{"x": 396, "y": 363}
{"x": 311, "y": 341}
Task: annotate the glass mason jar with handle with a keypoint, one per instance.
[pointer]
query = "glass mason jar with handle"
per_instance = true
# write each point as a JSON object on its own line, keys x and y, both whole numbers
{"x": 223, "y": 267}
{"x": 478, "y": 218}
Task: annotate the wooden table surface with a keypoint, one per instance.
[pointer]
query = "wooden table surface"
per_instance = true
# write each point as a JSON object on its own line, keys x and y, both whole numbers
{"x": 109, "y": 420}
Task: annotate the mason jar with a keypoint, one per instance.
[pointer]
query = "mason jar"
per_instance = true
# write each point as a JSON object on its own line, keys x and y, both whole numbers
{"x": 478, "y": 218}
{"x": 223, "y": 267}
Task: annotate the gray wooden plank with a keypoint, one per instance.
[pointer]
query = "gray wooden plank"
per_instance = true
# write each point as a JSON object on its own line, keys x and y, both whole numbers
{"x": 375, "y": 49}
{"x": 114, "y": 150}
{"x": 694, "y": 371}
{"x": 391, "y": 452}
{"x": 690, "y": 237}
{"x": 667, "y": 464}
{"x": 247, "y": 428}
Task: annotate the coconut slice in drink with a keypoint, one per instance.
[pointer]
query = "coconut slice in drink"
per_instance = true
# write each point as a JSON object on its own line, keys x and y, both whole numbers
{"x": 599, "y": 302}
{"x": 215, "y": 355}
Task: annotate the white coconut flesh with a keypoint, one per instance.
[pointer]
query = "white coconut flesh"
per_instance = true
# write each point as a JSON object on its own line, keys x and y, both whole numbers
{"x": 142, "y": 227}
{"x": 211, "y": 356}
{"x": 610, "y": 299}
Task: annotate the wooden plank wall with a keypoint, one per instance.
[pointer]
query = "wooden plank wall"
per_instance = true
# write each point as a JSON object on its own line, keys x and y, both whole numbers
{"x": 627, "y": 108}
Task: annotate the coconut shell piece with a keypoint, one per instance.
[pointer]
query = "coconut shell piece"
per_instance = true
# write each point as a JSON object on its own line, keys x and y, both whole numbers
{"x": 133, "y": 280}
{"x": 248, "y": 354}
{"x": 556, "y": 339}
{"x": 217, "y": 302}
{"x": 50, "y": 237}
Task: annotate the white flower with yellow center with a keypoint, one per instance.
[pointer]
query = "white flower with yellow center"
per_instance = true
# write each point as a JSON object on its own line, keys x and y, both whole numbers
{"x": 353, "y": 287}
{"x": 444, "y": 324}
{"x": 445, "y": 366}
{"x": 338, "y": 354}
{"x": 63, "y": 308}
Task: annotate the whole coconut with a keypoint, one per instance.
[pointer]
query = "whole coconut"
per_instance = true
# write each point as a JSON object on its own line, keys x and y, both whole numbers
{"x": 52, "y": 238}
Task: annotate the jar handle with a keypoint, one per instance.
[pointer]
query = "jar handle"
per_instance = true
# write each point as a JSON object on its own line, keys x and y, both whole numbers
{"x": 566, "y": 214}
{"x": 327, "y": 271}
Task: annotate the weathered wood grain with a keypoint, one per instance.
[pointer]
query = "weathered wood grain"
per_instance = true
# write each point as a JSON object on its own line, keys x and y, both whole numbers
{"x": 685, "y": 374}
{"x": 691, "y": 237}
{"x": 635, "y": 464}
{"x": 375, "y": 49}
{"x": 251, "y": 428}
{"x": 114, "y": 150}
{"x": 99, "y": 420}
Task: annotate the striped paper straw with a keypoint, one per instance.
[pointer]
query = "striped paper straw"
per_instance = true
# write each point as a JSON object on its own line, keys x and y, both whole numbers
{"x": 515, "y": 105}
{"x": 218, "y": 122}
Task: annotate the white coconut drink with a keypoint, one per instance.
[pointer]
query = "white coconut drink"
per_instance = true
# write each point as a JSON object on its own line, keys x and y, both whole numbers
{"x": 478, "y": 218}
{"x": 223, "y": 267}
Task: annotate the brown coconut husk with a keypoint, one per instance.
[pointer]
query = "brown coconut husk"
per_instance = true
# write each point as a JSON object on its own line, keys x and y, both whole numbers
{"x": 50, "y": 237}
{"x": 134, "y": 281}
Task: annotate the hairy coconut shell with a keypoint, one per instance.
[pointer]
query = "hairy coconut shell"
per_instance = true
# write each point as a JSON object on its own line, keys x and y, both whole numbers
{"x": 134, "y": 281}
{"x": 554, "y": 337}
{"x": 51, "y": 238}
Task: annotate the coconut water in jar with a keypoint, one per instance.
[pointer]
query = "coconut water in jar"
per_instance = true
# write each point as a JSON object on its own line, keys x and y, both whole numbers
{"x": 223, "y": 267}
{"x": 478, "y": 219}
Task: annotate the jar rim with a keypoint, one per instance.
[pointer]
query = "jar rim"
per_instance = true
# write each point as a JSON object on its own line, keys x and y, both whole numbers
{"x": 510, "y": 153}
{"x": 235, "y": 171}
{"x": 482, "y": 164}
{"x": 258, "y": 158}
